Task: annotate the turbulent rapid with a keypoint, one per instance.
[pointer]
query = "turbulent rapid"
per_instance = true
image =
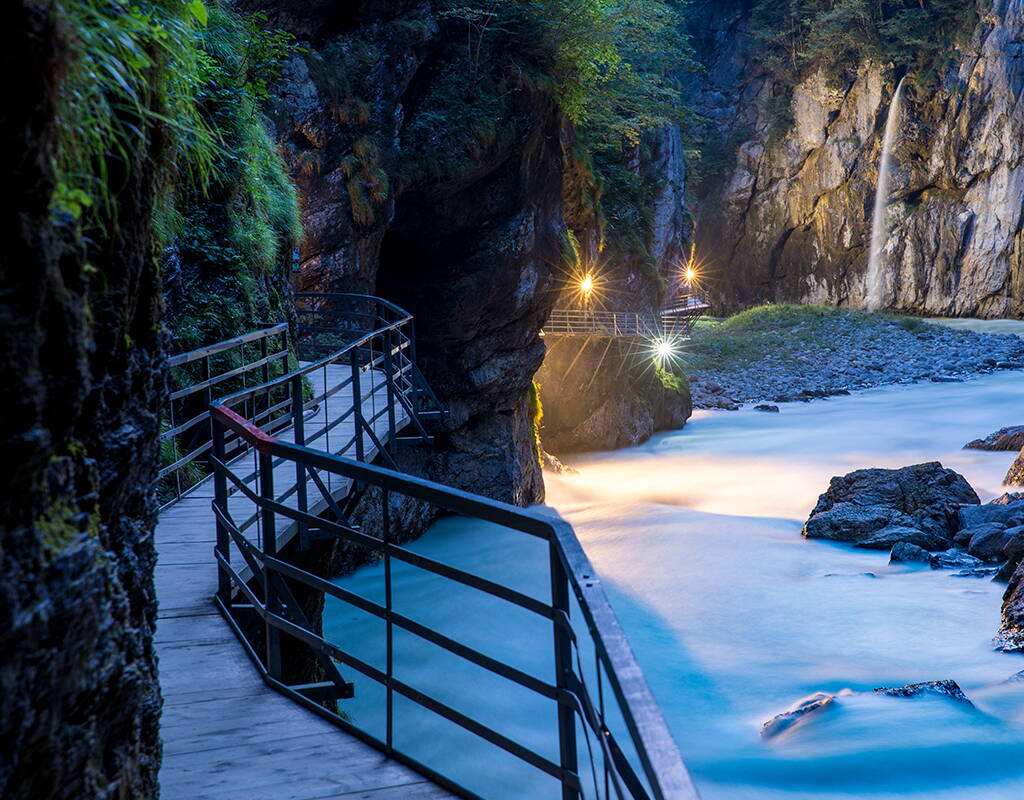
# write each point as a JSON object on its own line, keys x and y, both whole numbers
{"x": 734, "y": 616}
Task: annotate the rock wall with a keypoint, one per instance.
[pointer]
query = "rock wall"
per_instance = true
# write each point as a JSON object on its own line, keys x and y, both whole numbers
{"x": 787, "y": 217}
{"x": 464, "y": 241}
{"x": 80, "y": 352}
{"x": 600, "y": 394}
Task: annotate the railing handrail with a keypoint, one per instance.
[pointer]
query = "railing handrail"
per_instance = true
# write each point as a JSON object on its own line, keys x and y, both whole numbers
{"x": 378, "y": 300}
{"x": 313, "y": 366}
{"x": 219, "y": 347}
{"x": 656, "y": 748}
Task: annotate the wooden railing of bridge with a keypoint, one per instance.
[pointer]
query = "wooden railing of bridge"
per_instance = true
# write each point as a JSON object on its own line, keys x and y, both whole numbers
{"x": 282, "y": 485}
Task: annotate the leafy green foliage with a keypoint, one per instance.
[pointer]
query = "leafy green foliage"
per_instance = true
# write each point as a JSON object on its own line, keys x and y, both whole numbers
{"x": 234, "y": 231}
{"x": 837, "y": 35}
{"x": 131, "y": 69}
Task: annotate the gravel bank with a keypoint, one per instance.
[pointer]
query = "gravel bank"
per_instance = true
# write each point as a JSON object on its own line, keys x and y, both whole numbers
{"x": 785, "y": 353}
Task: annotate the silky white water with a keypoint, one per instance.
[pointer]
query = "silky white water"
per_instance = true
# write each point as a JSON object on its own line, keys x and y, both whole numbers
{"x": 875, "y": 296}
{"x": 732, "y": 614}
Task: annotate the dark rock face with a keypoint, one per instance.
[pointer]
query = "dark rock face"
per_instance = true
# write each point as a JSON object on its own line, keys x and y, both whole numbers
{"x": 994, "y": 545}
{"x": 1011, "y": 438}
{"x": 877, "y": 508}
{"x": 903, "y": 552}
{"x": 1005, "y": 514}
{"x": 1011, "y": 629}
{"x": 80, "y": 354}
{"x": 788, "y": 216}
{"x": 1015, "y": 475}
{"x": 950, "y": 689}
{"x": 783, "y": 722}
{"x": 603, "y": 394}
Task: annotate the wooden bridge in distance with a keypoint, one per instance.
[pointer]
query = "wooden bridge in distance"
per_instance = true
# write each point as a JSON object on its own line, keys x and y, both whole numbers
{"x": 291, "y": 462}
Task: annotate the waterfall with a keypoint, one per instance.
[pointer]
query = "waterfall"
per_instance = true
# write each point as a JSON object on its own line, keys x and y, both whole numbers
{"x": 879, "y": 224}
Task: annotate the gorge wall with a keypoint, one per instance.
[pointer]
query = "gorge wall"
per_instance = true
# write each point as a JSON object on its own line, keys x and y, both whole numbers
{"x": 786, "y": 215}
{"x": 442, "y": 198}
{"x": 433, "y": 174}
{"x": 80, "y": 354}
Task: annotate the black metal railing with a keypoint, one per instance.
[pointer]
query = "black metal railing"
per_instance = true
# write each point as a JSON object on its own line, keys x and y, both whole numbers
{"x": 258, "y": 586}
{"x": 195, "y": 378}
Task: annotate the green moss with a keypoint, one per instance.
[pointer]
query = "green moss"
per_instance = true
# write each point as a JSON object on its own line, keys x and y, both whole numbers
{"x": 236, "y": 231}
{"x": 61, "y": 524}
{"x": 535, "y": 411}
{"x": 672, "y": 381}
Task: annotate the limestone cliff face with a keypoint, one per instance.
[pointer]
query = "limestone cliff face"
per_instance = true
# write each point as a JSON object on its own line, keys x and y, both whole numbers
{"x": 80, "y": 357}
{"x": 788, "y": 217}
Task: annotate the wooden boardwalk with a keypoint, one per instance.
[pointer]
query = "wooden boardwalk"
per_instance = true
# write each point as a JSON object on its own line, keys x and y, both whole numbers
{"x": 226, "y": 734}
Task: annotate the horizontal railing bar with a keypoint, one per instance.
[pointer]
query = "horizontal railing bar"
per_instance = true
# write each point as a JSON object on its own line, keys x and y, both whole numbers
{"x": 309, "y": 368}
{"x": 428, "y": 564}
{"x": 185, "y": 459}
{"x": 406, "y": 623}
{"x": 227, "y": 344}
{"x": 185, "y": 425}
{"x": 218, "y": 379}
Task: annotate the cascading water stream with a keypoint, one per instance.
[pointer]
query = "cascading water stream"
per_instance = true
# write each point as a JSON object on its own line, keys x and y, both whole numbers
{"x": 879, "y": 224}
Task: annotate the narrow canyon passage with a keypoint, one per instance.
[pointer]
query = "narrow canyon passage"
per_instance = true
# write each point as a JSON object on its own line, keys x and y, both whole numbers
{"x": 734, "y": 616}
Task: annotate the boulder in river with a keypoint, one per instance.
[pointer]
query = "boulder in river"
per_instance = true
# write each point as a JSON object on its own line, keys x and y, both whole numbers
{"x": 950, "y": 689}
{"x": 797, "y": 713}
{"x": 1011, "y": 630}
{"x": 963, "y": 537}
{"x": 878, "y": 508}
{"x": 1006, "y": 514}
{"x": 903, "y": 552}
{"x": 1015, "y": 475}
{"x": 1011, "y": 438}
{"x": 991, "y": 544}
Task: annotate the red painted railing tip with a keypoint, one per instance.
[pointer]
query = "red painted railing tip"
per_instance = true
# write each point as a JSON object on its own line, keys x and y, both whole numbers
{"x": 243, "y": 427}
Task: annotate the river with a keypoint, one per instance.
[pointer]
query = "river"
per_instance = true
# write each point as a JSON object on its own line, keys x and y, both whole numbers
{"x": 734, "y": 616}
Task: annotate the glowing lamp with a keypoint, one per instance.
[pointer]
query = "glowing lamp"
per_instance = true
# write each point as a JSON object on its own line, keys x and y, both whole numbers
{"x": 587, "y": 284}
{"x": 663, "y": 349}
{"x": 691, "y": 274}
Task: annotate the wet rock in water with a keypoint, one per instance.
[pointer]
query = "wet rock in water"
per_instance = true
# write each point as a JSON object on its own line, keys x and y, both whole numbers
{"x": 1004, "y": 514}
{"x": 956, "y": 559}
{"x": 963, "y": 537}
{"x": 1017, "y": 677}
{"x": 552, "y": 463}
{"x": 977, "y": 572}
{"x": 1007, "y": 497}
{"x": 1015, "y": 475}
{"x": 1011, "y": 629}
{"x": 990, "y": 544}
{"x": 767, "y": 407}
{"x": 1011, "y": 438}
{"x": 950, "y": 689}
{"x": 812, "y": 705}
{"x": 877, "y": 508}
{"x": 906, "y": 552}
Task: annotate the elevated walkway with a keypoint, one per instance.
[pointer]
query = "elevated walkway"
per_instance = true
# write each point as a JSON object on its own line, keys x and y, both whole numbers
{"x": 289, "y": 458}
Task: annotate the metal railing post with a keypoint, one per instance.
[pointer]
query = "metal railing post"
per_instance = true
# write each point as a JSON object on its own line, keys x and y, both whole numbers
{"x": 563, "y": 670}
{"x": 273, "y": 635}
{"x": 299, "y": 435}
{"x": 389, "y": 384}
{"x": 357, "y": 404}
{"x": 220, "y": 500}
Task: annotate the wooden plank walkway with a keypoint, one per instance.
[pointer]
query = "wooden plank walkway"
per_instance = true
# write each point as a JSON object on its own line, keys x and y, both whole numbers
{"x": 226, "y": 734}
